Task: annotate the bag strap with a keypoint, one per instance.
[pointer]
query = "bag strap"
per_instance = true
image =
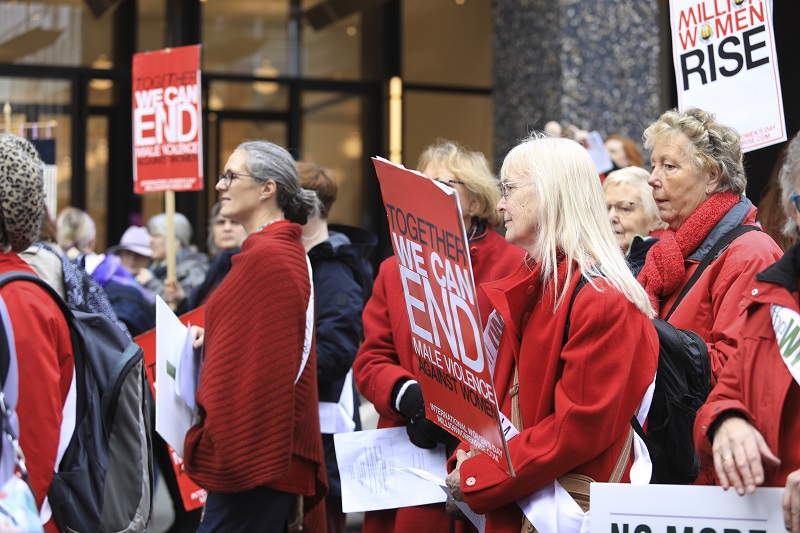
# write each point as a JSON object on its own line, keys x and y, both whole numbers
{"x": 8, "y": 277}
{"x": 724, "y": 241}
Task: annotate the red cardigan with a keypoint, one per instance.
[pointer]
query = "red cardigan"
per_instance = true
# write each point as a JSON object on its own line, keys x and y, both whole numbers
{"x": 576, "y": 401}
{"x": 45, "y": 365}
{"x": 387, "y": 356}
{"x": 257, "y": 427}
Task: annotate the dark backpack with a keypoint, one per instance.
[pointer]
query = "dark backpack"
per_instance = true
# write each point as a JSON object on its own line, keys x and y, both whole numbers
{"x": 104, "y": 481}
{"x": 683, "y": 382}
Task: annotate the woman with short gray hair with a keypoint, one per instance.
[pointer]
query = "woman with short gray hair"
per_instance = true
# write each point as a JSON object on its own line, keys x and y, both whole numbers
{"x": 256, "y": 447}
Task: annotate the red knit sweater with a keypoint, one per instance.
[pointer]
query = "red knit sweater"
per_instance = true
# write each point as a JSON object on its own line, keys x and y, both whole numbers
{"x": 257, "y": 427}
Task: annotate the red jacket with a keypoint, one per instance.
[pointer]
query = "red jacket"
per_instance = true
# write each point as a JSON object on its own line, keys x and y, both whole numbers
{"x": 45, "y": 364}
{"x": 387, "y": 356}
{"x": 576, "y": 400}
{"x": 711, "y": 308}
{"x": 257, "y": 426}
{"x": 756, "y": 382}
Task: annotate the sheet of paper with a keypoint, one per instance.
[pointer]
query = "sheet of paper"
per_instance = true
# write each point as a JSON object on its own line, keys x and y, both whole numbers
{"x": 187, "y": 371}
{"x": 370, "y": 464}
{"x": 173, "y": 416}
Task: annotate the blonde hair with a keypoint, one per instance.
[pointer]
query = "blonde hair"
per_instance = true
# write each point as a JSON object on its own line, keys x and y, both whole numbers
{"x": 637, "y": 177}
{"x": 470, "y": 168}
{"x": 573, "y": 221}
{"x": 712, "y": 146}
{"x": 75, "y": 228}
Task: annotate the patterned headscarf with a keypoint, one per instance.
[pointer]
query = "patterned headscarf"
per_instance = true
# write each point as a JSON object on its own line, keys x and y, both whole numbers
{"x": 21, "y": 192}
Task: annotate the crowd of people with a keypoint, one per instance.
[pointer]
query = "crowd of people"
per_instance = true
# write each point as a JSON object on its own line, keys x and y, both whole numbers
{"x": 296, "y": 330}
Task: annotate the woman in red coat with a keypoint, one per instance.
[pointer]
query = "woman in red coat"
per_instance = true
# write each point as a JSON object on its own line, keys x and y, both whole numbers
{"x": 749, "y": 427}
{"x": 386, "y": 363}
{"x": 577, "y": 395}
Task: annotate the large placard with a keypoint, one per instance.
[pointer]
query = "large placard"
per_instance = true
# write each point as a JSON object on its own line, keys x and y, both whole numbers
{"x": 167, "y": 121}
{"x": 726, "y": 63}
{"x": 430, "y": 245}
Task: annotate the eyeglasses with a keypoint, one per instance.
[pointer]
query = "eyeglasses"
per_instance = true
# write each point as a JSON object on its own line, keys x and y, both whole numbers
{"x": 228, "y": 176}
{"x": 623, "y": 209}
{"x": 796, "y": 200}
{"x": 506, "y": 186}
{"x": 448, "y": 181}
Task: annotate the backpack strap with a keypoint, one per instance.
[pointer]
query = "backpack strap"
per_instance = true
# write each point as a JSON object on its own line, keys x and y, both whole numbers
{"x": 724, "y": 241}
{"x": 8, "y": 277}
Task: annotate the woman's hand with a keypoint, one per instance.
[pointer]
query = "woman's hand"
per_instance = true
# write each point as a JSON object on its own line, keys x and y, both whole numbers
{"x": 791, "y": 502}
{"x": 143, "y": 276}
{"x": 173, "y": 292}
{"x": 199, "y": 334}
{"x": 740, "y": 453}
{"x": 453, "y": 479}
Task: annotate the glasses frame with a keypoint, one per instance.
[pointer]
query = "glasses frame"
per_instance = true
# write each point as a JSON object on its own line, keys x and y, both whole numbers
{"x": 506, "y": 191}
{"x": 617, "y": 210}
{"x": 448, "y": 181}
{"x": 228, "y": 176}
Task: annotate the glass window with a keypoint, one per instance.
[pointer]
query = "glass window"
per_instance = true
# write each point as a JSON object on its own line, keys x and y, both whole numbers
{"x": 63, "y": 33}
{"x": 151, "y": 26}
{"x": 97, "y": 176}
{"x": 256, "y": 95}
{"x": 458, "y": 117}
{"x": 447, "y": 42}
{"x": 334, "y": 50}
{"x": 332, "y": 138}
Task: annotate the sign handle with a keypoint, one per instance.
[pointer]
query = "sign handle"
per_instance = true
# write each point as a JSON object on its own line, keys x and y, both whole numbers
{"x": 169, "y": 204}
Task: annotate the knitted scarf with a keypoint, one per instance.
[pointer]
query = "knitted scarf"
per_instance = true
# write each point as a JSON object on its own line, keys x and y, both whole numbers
{"x": 664, "y": 269}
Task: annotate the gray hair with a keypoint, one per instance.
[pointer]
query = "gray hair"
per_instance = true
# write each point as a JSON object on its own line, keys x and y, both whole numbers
{"x": 712, "y": 146}
{"x": 637, "y": 177}
{"x": 75, "y": 227}
{"x": 268, "y": 161}
{"x": 157, "y": 225}
{"x": 788, "y": 177}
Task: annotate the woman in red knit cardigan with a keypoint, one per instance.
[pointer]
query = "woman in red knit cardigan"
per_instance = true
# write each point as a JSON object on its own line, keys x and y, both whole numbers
{"x": 256, "y": 447}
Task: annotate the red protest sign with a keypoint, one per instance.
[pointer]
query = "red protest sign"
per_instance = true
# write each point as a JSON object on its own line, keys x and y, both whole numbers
{"x": 167, "y": 125}
{"x": 192, "y": 496}
{"x": 430, "y": 245}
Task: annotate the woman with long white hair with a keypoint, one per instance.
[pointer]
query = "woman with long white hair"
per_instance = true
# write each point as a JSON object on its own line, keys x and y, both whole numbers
{"x": 578, "y": 352}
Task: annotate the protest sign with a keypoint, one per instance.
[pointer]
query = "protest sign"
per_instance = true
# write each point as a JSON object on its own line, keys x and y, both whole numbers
{"x": 192, "y": 496}
{"x": 430, "y": 245}
{"x": 167, "y": 121}
{"x": 725, "y": 63}
{"x": 626, "y": 508}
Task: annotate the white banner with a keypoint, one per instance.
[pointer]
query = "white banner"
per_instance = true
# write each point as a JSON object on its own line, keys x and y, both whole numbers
{"x": 624, "y": 508}
{"x": 726, "y": 63}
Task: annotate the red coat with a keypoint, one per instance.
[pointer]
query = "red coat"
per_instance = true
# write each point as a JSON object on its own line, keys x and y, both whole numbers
{"x": 257, "y": 426}
{"x": 45, "y": 364}
{"x": 576, "y": 400}
{"x": 387, "y": 356}
{"x": 711, "y": 308}
{"x": 757, "y": 383}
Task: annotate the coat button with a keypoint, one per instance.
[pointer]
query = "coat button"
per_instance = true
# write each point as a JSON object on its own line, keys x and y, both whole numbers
{"x": 754, "y": 292}
{"x": 473, "y": 251}
{"x": 526, "y": 317}
{"x": 529, "y": 290}
{"x": 471, "y": 481}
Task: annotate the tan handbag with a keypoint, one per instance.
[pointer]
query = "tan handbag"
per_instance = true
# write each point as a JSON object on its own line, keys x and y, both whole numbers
{"x": 576, "y": 485}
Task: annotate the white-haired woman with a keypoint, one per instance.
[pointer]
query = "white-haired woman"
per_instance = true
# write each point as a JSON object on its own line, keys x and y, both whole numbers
{"x": 632, "y": 212}
{"x": 571, "y": 394}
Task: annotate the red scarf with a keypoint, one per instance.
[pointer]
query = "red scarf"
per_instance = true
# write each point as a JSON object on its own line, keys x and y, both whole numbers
{"x": 664, "y": 268}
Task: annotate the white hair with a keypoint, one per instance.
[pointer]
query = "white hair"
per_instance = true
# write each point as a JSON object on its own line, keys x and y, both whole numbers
{"x": 573, "y": 220}
{"x": 637, "y": 177}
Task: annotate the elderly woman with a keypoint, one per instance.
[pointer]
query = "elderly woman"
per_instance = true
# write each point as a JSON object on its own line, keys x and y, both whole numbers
{"x": 698, "y": 184}
{"x": 190, "y": 265}
{"x": 40, "y": 332}
{"x": 633, "y": 213}
{"x": 256, "y": 447}
{"x": 386, "y": 365}
{"x": 749, "y": 427}
{"x": 570, "y": 393}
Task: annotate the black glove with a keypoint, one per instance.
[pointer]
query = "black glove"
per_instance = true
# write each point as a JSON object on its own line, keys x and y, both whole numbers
{"x": 422, "y": 432}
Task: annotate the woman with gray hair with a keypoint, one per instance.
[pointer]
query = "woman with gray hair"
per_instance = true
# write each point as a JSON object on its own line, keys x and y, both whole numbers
{"x": 698, "y": 184}
{"x": 749, "y": 426}
{"x": 632, "y": 212}
{"x": 256, "y": 447}
{"x": 190, "y": 265}
{"x": 40, "y": 332}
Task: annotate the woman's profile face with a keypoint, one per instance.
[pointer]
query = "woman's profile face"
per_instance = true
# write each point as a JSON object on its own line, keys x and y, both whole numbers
{"x": 626, "y": 213}
{"x": 438, "y": 170}
{"x": 520, "y": 210}
{"x": 678, "y": 186}
{"x": 616, "y": 151}
{"x": 157, "y": 244}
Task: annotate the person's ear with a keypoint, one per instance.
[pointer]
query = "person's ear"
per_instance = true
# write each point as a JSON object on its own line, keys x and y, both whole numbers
{"x": 714, "y": 176}
{"x": 268, "y": 189}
